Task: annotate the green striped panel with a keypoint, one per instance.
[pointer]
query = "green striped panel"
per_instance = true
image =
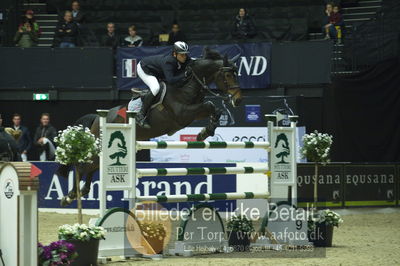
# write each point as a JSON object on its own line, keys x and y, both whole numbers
{"x": 196, "y": 145}
{"x": 248, "y": 170}
{"x": 218, "y": 196}
{"x": 218, "y": 144}
{"x": 162, "y": 198}
{"x": 162, "y": 145}
{"x": 196, "y": 171}
{"x": 248, "y": 144}
{"x": 249, "y": 195}
{"x": 196, "y": 197}
{"x": 217, "y": 170}
{"x": 161, "y": 171}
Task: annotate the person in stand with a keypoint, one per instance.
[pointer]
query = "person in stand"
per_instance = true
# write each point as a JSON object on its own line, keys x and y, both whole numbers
{"x": 110, "y": 39}
{"x": 176, "y": 35}
{"x": 243, "y": 26}
{"x": 171, "y": 68}
{"x": 44, "y": 138}
{"x": 77, "y": 15}
{"x": 336, "y": 20}
{"x": 25, "y": 141}
{"x": 26, "y": 37}
{"x": 67, "y": 32}
{"x": 329, "y": 29}
{"x": 29, "y": 17}
{"x": 132, "y": 40}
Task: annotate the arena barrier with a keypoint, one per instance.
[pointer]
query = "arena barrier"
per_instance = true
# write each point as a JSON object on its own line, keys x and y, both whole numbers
{"x": 18, "y": 214}
{"x": 118, "y": 172}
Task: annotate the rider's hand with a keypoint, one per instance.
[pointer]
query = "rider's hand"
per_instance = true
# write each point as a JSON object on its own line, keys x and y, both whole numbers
{"x": 188, "y": 72}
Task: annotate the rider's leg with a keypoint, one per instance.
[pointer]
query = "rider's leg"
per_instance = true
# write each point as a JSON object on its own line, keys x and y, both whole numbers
{"x": 147, "y": 99}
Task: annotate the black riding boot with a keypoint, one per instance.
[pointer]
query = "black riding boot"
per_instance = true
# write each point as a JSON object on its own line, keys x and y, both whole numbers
{"x": 147, "y": 100}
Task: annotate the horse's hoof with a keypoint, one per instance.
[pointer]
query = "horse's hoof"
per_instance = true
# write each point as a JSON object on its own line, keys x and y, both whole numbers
{"x": 65, "y": 201}
{"x": 201, "y": 136}
{"x": 85, "y": 191}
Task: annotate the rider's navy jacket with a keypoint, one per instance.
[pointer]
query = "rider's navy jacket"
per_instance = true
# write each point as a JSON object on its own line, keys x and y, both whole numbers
{"x": 166, "y": 68}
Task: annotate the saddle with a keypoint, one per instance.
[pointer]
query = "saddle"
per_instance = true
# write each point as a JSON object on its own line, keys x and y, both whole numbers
{"x": 158, "y": 100}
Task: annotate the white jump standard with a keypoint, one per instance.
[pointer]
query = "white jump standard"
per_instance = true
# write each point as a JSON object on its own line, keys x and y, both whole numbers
{"x": 118, "y": 172}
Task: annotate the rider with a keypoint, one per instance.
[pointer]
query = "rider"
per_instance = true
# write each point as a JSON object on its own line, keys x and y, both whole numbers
{"x": 170, "y": 68}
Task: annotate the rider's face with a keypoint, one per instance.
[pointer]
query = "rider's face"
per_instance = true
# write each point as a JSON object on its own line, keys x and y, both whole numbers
{"x": 181, "y": 57}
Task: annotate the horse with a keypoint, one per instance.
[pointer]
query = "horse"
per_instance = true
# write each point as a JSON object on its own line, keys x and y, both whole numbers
{"x": 8, "y": 144}
{"x": 182, "y": 104}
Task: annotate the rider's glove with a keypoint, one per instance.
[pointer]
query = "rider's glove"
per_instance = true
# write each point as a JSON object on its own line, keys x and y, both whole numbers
{"x": 188, "y": 72}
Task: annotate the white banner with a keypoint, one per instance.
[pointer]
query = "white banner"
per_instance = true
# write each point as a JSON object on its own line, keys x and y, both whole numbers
{"x": 254, "y": 134}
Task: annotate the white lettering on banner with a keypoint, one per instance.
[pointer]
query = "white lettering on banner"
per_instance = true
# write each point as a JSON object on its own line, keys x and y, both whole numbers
{"x": 368, "y": 179}
{"x": 55, "y": 186}
{"x": 179, "y": 188}
{"x": 257, "y": 63}
{"x": 167, "y": 187}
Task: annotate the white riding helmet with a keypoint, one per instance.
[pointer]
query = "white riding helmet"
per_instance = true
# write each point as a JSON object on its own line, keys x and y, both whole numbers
{"x": 181, "y": 48}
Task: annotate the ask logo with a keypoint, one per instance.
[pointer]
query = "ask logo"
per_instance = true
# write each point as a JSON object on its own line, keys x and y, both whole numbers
{"x": 283, "y": 148}
{"x": 117, "y": 170}
{"x": 119, "y": 147}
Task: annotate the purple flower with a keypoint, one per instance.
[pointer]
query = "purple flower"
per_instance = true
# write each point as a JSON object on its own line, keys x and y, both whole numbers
{"x": 63, "y": 256}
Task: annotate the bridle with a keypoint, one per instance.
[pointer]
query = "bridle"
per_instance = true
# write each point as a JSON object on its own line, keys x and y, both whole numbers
{"x": 226, "y": 96}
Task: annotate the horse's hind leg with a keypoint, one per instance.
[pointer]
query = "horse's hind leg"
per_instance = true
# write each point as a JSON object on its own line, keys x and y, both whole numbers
{"x": 211, "y": 111}
{"x": 86, "y": 188}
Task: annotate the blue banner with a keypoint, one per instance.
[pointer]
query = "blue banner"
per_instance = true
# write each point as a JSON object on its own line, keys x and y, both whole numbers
{"x": 253, "y": 64}
{"x": 53, "y": 188}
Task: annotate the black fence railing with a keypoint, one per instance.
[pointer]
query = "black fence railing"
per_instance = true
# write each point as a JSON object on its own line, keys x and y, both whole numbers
{"x": 374, "y": 40}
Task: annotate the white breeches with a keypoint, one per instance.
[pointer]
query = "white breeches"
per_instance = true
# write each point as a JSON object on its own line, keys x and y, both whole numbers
{"x": 149, "y": 80}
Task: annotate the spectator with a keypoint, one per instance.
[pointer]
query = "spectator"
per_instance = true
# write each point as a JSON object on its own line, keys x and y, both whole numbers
{"x": 336, "y": 20}
{"x": 44, "y": 138}
{"x": 110, "y": 39}
{"x": 67, "y": 32}
{"x": 243, "y": 26}
{"x": 176, "y": 35}
{"x": 132, "y": 40}
{"x": 26, "y": 37}
{"x": 329, "y": 29}
{"x": 24, "y": 142}
{"x": 29, "y": 16}
{"x": 77, "y": 15}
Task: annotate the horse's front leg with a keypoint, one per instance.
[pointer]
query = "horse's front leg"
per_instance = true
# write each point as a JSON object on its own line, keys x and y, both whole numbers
{"x": 71, "y": 196}
{"x": 208, "y": 110}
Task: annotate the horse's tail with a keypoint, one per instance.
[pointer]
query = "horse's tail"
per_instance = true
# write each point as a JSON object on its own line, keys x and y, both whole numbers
{"x": 86, "y": 120}
{"x": 63, "y": 170}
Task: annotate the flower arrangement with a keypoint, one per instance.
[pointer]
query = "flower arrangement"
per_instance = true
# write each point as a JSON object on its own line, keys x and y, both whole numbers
{"x": 316, "y": 147}
{"x": 240, "y": 224}
{"x": 80, "y": 232}
{"x": 152, "y": 230}
{"x": 324, "y": 216}
{"x": 76, "y": 145}
{"x": 57, "y": 253}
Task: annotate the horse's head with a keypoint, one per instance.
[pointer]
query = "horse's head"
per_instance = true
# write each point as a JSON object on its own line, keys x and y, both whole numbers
{"x": 214, "y": 68}
{"x": 226, "y": 79}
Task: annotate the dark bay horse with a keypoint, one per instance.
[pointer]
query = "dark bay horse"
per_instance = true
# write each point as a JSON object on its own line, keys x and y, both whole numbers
{"x": 180, "y": 107}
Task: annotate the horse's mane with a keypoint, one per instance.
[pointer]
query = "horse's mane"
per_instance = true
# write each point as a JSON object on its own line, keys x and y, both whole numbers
{"x": 211, "y": 54}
